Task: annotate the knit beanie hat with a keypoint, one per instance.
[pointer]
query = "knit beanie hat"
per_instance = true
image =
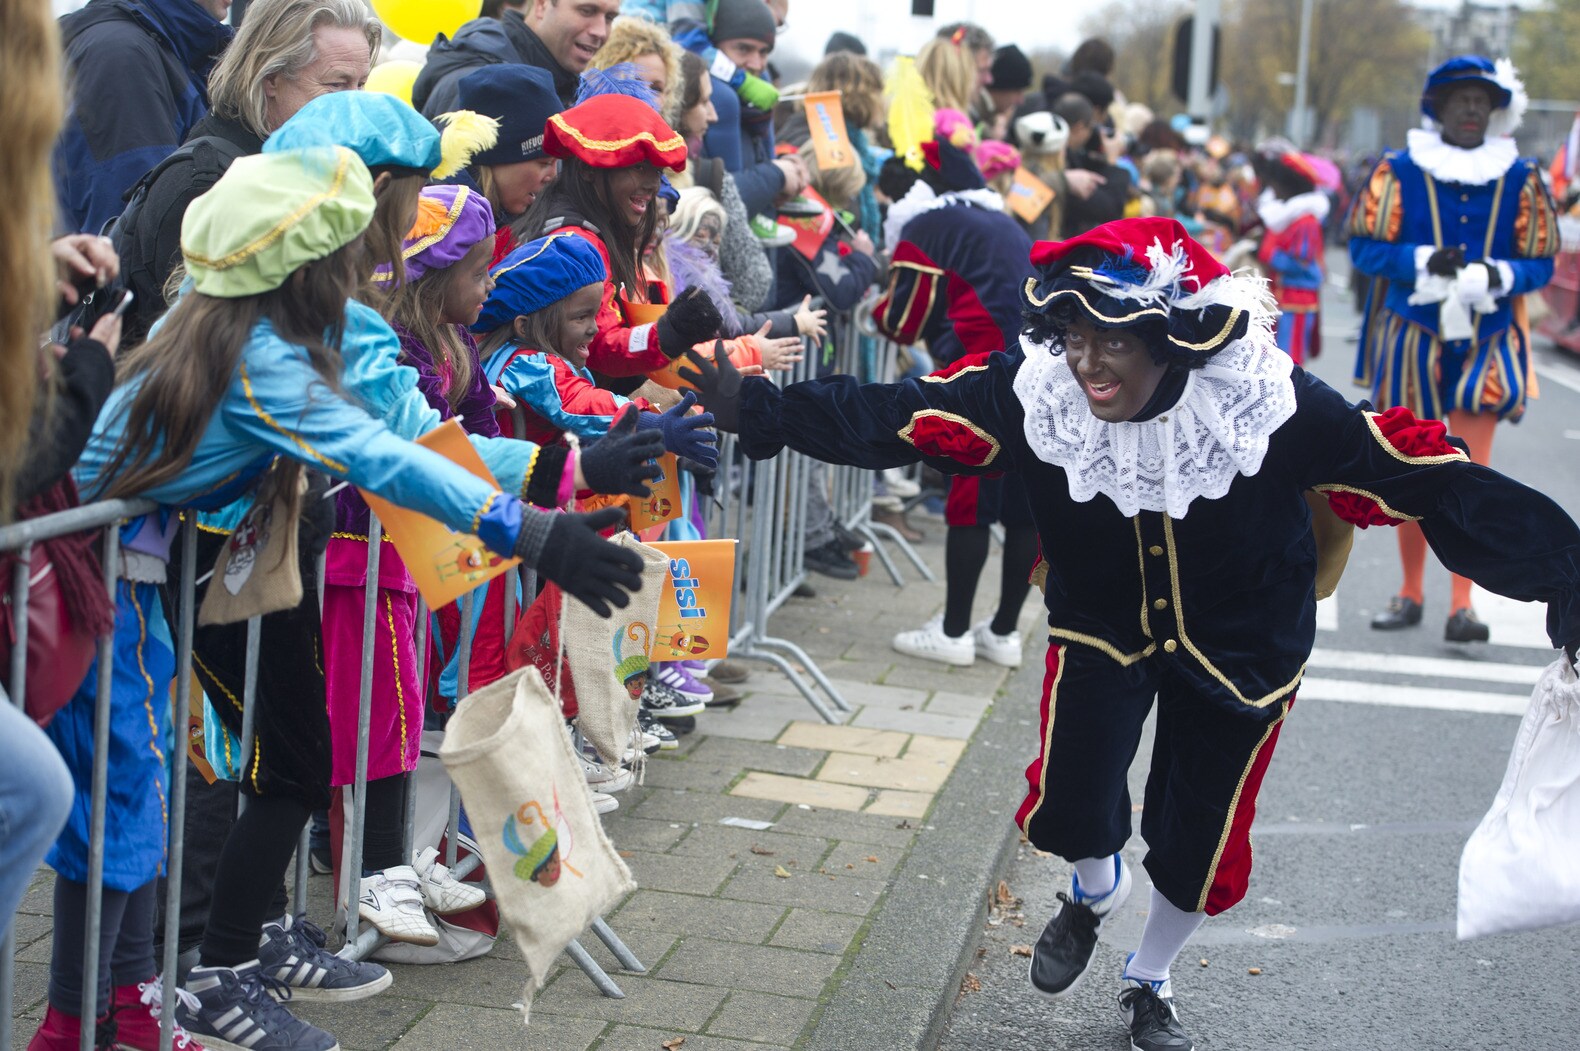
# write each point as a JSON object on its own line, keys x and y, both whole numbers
{"x": 522, "y": 98}
{"x": 270, "y": 214}
{"x": 1011, "y": 69}
{"x": 840, "y": 40}
{"x": 743, "y": 20}
{"x": 537, "y": 274}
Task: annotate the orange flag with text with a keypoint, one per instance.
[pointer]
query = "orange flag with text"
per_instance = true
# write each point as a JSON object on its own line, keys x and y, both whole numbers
{"x": 694, "y": 607}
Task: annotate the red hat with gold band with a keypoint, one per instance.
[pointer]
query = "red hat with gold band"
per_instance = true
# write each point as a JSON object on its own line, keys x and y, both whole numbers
{"x": 614, "y": 131}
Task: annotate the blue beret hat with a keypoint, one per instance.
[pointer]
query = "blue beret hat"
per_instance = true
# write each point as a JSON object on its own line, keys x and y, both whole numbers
{"x": 379, "y": 128}
{"x": 537, "y": 274}
{"x": 522, "y": 98}
{"x": 1462, "y": 68}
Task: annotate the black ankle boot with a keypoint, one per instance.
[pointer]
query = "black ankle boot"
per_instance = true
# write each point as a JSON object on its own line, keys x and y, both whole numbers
{"x": 1401, "y": 613}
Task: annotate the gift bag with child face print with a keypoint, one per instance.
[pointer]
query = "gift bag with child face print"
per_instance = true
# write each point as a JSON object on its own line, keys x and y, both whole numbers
{"x": 553, "y": 869}
{"x": 608, "y": 658}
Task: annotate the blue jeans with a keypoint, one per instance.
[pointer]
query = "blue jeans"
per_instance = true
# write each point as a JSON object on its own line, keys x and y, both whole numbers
{"x": 35, "y": 795}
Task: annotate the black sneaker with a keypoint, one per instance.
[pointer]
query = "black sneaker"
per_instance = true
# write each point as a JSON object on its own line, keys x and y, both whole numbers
{"x": 682, "y": 726}
{"x": 293, "y": 955}
{"x": 651, "y": 724}
{"x": 1148, "y": 1009}
{"x": 666, "y": 702}
{"x": 832, "y": 560}
{"x": 232, "y": 1009}
{"x": 1401, "y": 613}
{"x": 1064, "y": 952}
{"x": 1465, "y": 626}
{"x": 848, "y": 540}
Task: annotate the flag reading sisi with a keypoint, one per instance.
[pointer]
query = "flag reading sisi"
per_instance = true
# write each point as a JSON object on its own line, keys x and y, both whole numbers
{"x": 694, "y": 606}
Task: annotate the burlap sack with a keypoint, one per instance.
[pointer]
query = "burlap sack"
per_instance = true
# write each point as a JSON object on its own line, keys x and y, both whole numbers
{"x": 553, "y": 869}
{"x": 608, "y": 658}
{"x": 256, "y": 571}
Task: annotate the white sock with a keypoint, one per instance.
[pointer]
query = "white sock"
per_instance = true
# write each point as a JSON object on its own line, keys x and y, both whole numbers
{"x": 1167, "y": 930}
{"x": 1095, "y": 876}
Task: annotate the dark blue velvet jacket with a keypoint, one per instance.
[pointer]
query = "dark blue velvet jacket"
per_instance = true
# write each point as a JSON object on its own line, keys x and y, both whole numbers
{"x": 1225, "y": 596}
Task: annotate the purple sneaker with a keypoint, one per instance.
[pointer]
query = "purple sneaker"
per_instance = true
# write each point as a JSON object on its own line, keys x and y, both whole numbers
{"x": 678, "y": 677}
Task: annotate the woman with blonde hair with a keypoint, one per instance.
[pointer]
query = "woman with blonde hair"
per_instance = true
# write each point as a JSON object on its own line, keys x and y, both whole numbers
{"x": 647, "y": 46}
{"x": 956, "y": 65}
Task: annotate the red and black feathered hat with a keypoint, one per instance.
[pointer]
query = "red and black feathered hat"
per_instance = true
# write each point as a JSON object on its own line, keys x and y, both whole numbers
{"x": 956, "y": 170}
{"x": 1132, "y": 272}
{"x": 614, "y": 131}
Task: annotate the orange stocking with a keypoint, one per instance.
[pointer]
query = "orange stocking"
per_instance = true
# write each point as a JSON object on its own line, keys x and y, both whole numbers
{"x": 1476, "y": 429}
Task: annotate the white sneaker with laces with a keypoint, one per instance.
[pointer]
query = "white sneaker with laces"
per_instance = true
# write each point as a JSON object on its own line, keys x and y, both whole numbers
{"x": 441, "y": 892}
{"x": 604, "y": 778}
{"x": 1003, "y": 650}
{"x": 604, "y": 803}
{"x": 392, "y": 901}
{"x": 930, "y": 643}
{"x": 897, "y": 484}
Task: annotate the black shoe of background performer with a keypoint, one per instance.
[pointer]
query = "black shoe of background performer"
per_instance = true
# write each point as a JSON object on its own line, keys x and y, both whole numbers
{"x": 1465, "y": 626}
{"x": 832, "y": 561}
{"x": 1401, "y": 613}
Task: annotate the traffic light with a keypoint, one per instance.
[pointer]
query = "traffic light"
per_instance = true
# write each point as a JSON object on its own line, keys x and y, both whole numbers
{"x": 1180, "y": 81}
{"x": 922, "y": 8}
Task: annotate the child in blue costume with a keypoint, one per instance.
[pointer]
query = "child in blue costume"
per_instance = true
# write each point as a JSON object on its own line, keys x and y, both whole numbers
{"x": 273, "y": 251}
{"x": 1167, "y": 445}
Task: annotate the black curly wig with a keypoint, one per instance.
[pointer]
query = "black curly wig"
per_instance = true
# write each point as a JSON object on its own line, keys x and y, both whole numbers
{"x": 1047, "y": 325}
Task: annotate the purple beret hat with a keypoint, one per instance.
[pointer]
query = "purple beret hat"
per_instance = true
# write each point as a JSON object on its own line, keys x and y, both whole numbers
{"x": 450, "y": 221}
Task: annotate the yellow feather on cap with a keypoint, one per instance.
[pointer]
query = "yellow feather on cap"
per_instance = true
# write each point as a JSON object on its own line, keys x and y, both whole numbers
{"x": 465, "y": 135}
{"x": 911, "y": 107}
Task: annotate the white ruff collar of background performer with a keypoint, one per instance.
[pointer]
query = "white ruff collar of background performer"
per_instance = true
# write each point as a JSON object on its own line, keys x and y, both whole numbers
{"x": 1220, "y": 428}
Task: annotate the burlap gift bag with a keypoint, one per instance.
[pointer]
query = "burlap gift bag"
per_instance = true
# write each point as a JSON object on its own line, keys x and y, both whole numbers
{"x": 256, "y": 571}
{"x": 608, "y": 658}
{"x": 553, "y": 869}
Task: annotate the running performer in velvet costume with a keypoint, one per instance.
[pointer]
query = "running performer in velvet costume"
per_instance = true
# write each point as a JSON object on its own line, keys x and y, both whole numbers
{"x": 1167, "y": 445}
{"x": 1456, "y": 227}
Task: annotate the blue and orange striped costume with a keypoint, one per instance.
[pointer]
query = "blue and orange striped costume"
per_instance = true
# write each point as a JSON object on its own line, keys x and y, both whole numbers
{"x": 1402, "y": 357}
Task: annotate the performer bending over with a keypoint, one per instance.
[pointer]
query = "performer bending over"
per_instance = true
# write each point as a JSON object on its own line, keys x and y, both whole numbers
{"x": 1167, "y": 445}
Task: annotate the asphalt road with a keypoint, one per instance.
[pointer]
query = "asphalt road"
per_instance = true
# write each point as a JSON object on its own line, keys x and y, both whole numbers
{"x": 1392, "y": 754}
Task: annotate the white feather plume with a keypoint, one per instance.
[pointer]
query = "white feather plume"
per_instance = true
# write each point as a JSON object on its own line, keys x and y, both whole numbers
{"x": 1507, "y": 120}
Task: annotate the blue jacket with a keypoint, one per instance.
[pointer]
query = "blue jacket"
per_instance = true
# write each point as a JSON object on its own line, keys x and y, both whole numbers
{"x": 138, "y": 71}
{"x": 744, "y": 140}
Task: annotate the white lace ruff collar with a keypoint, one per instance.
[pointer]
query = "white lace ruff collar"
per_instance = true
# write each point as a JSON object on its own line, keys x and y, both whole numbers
{"x": 1276, "y": 215}
{"x": 1220, "y": 428}
{"x": 1486, "y": 163}
{"x": 923, "y": 198}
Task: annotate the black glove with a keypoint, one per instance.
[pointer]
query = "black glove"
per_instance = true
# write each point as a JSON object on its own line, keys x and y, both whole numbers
{"x": 718, "y": 384}
{"x": 586, "y": 566}
{"x": 622, "y": 460}
{"x": 317, "y": 519}
{"x": 691, "y": 319}
{"x": 702, "y": 477}
{"x": 1446, "y": 262}
{"x": 1494, "y": 279}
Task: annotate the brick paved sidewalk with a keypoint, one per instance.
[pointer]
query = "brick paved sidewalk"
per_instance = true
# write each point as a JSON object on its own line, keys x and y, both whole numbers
{"x": 745, "y": 934}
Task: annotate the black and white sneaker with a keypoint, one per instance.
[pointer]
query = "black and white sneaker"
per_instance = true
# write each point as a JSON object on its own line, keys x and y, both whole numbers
{"x": 1148, "y": 1009}
{"x": 651, "y": 724}
{"x": 235, "y": 1012}
{"x": 666, "y": 702}
{"x": 293, "y": 955}
{"x": 1064, "y": 952}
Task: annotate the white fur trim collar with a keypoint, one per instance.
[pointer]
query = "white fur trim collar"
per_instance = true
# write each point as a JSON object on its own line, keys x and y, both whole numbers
{"x": 1486, "y": 163}
{"x": 1276, "y": 215}
{"x": 1220, "y": 428}
{"x": 922, "y": 198}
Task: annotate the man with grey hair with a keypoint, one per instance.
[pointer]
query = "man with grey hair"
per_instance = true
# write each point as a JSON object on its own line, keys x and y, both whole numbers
{"x": 286, "y": 54}
{"x": 560, "y": 36}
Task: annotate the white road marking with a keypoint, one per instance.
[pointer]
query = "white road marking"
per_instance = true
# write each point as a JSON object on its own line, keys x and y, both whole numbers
{"x": 1440, "y": 667}
{"x": 1388, "y": 695}
{"x": 1573, "y": 436}
{"x": 1328, "y": 613}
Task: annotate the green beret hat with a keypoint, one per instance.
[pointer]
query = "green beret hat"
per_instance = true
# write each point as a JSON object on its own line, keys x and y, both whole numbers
{"x": 271, "y": 214}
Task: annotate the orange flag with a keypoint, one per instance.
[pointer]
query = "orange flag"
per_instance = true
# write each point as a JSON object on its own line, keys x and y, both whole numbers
{"x": 826, "y": 119}
{"x": 1028, "y": 196}
{"x": 660, "y": 506}
{"x": 444, "y": 564}
{"x": 694, "y": 606}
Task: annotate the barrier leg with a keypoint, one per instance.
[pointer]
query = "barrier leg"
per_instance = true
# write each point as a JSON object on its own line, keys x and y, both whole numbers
{"x": 249, "y": 701}
{"x": 805, "y": 660}
{"x": 621, "y": 951}
{"x": 463, "y": 684}
{"x": 17, "y": 679}
{"x": 101, "y": 780}
{"x": 351, "y": 857}
{"x": 589, "y": 966}
{"x": 179, "y": 706}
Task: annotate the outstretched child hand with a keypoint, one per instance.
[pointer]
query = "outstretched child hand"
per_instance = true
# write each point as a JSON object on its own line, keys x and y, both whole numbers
{"x": 811, "y": 322}
{"x": 688, "y": 436}
{"x": 778, "y": 355}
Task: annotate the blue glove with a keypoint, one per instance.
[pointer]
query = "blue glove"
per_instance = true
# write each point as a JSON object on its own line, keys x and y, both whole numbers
{"x": 689, "y": 437}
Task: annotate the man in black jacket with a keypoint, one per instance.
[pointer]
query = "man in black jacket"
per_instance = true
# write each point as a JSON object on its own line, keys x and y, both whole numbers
{"x": 138, "y": 70}
{"x": 1098, "y": 191}
{"x": 560, "y": 36}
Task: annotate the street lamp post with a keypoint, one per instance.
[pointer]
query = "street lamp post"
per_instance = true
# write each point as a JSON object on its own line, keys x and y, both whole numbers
{"x": 1298, "y": 130}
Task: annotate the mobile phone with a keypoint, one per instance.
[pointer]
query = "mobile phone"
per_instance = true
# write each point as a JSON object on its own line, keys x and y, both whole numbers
{"x": 126, "y": 301}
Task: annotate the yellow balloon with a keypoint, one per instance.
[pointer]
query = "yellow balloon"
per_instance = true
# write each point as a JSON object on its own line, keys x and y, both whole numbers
{"x": 395, "y": 77}
{"x": 421, "y": 20}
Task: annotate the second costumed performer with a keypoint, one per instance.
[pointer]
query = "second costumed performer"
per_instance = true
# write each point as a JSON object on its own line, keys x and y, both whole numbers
{"x": 1167, "y": 445}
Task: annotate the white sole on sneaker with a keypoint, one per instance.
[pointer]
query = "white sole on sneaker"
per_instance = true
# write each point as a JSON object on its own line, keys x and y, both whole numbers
{"x": 902, "y": 643}
{"x": 1119, "y": 894}
{"x": 604, "y": 803}
{"x": 307, "y": 994}
{"x": 218, "y": 1044}
{"x": 988, "y": 646}
{"x": 678, "y": 711}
